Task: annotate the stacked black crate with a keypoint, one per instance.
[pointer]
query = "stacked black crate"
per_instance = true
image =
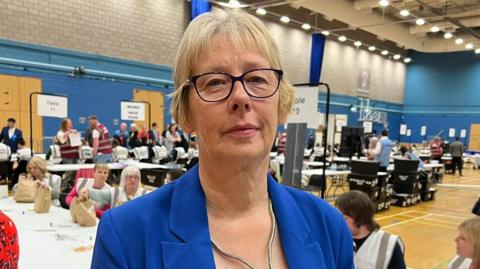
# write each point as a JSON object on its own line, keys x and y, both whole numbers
{"x": 427, "y": 193}
{"x": 406, "y": 185}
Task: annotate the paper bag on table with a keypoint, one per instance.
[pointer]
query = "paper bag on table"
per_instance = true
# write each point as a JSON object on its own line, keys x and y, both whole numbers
{"x": 73, "y": 208}
{"x": 43, "y": 200}
{"x": 26, "y": 190}
{"x": 85, "y": 213}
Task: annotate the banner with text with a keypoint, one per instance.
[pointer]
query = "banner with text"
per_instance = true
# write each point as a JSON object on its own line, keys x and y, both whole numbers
{"x": 132, "y": 111}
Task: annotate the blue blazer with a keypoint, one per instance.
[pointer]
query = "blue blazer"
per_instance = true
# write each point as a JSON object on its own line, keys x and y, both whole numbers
{"x": 168, "y": 228}
{"x": 11, "y": 142}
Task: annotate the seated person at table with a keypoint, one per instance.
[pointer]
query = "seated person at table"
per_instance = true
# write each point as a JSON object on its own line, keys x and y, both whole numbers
{"x": 37, "y": 169}
{"x": 407, "y": 152}
{"x": 24, "y": 154}
{"x": 371, "y": 244}
{"x": 129, "y": 189}
{"x": 468, "y": 245}
{"x": 101, "y": 172}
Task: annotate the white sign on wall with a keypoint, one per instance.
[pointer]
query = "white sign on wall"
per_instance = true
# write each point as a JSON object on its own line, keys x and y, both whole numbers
{"x": 340, "y": 121}
{"x": 403, "y": 129}
{"x": 409, "y": 132}
{"x": 463, "y": 133}
{"x": 367, "y": 127}
{"x": 52, "y": 106}
{"x": 305, "y": 107}
{"x": 132, "y": 111}
{"x": 423, "y": 131}
{"x": 451, "y": 132}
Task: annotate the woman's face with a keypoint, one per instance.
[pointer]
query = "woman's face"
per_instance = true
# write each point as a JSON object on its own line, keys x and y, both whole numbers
{"x": 131, "y": 181}
{"x": 239, "y": 127}
{"x": 34, "y": 170}
{"x": 465, "y": 247}
{"x": 101, "y": 175}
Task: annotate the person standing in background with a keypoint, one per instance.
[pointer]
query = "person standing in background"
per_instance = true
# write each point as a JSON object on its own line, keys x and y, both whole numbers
{"x": 69, "y": 153}
{"x": 10, "y": 137}
{"x": 383, "y": 150}
{"x": 122, "y": 135}
{"x": 102, "y": 146}
{"x": 457, "y": 149}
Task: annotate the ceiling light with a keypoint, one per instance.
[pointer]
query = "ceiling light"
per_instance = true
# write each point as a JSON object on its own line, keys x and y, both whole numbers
{"x": 342, "y": 38}
{"x": 357, "y": 43}
{"x": 306, "y": 26}
{"x": 285, "y": 19}
{"x": 469, "y": 46}
{"x": 371, "y": 48}
{"x": 448, "y": 35}
{"x": 325, "y": 33}
{"x": 384, "y": 52}
{"x": 407, "y": 60}
{"x": 459, "y": 41}
{"x": 261, "y": 11}
{"x": 420, "y": 21}
{"x": 477, "y": 51}
{"x": 404, "y": 12}
{"x": 233, "y": 4}
{"x": 434, "y": 29}
{"x": 396, "y": 56}
{"x": 384, "y": 3}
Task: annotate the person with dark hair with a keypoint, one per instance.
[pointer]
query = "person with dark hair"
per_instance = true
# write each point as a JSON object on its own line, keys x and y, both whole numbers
{"x": 10, "y": 137}
{"x": 457, "y": 149}
{"x": 155, "y": 136}
{"x": 374, "y": 248}
{"x": 382, "y": 151}
{"x": 102, "y": 146}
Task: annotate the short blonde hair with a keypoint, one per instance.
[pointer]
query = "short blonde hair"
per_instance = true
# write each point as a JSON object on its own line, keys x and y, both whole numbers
{"x": 38, "y": 162}
{"x": 242, "y": 30}
{"x": 101, "y": 166}
{"x": 472, "y": 228}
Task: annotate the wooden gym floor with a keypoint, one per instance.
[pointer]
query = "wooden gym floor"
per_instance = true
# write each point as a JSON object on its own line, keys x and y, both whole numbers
{"x": 428, "y": 229}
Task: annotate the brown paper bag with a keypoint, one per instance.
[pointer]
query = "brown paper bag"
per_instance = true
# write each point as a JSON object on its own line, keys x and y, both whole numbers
{"x": 43, "y": 200}
{"x": 73, "y": 209}
{"x": 26, "y": 190}
{"x": 85, "y": 213}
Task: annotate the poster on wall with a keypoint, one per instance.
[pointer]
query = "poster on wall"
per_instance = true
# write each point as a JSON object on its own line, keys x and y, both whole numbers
{"x": 423, "y": 131}
{"x": 367, "y": 127}
{"x": 451, "y": 132}
{"x": 463, "y": 133}
{"x": 132, "y": 111}
{"x": 305, "y": 107}
{"x": 340, "y": 121}
{"x": 409, "y": 132}
{"x": 52, "y": 106}
{"x": 363, "y": 83}
{"x": 403, "y": 129}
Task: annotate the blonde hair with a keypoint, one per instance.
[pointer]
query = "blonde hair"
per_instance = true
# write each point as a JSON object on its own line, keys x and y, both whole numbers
{"x": 99, "y": 166}
{"x": 242, "y": 30}
{"x": 38, "y": 162}
{"x": 129, "y": 170}
{"x": 472, "y": 228}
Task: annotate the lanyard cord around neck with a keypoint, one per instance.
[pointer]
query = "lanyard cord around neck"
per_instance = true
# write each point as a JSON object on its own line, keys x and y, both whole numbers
{"x": 270, "y": 245}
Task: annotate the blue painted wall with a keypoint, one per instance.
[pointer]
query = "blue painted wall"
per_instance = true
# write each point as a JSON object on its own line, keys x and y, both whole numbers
{"x": 442, "y": 92}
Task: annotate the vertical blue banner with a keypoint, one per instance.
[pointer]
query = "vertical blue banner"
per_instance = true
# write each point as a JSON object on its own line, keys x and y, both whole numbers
{"x": 199, "y": 7}
{"x": 316, "y": 57}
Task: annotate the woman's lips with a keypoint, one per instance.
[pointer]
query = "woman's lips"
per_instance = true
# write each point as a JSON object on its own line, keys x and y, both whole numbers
{"x": 242, "y": 131}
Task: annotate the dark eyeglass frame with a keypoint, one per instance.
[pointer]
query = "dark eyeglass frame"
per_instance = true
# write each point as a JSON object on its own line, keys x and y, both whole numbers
{"x": 193, "y": 81}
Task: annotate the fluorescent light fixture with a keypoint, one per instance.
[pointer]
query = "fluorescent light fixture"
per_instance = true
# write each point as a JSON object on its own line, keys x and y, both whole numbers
{"x": 407, "y": 60}
{"x": 420, "y": 21}
{"x": 384, "y": 52}
{"x": 469, "y": 46}
{"x": 357, "y": 43}
{"x": 371, "y": 48}
{"x": 285, "y": 19}
{"x": 306, "y": 26}
{"x": 448, "y": 35}
{"x": 342, "y": 38}
{"x": 477, "y": 51}
{"x": 459, "y": 41}
{"x": 384, "y": 3}
{"x": 232, "y": 4}
{"x": 404, "y": 12}
{"x": 325, "y": 33}
{"x": 261, "y": 11}
{"x": 396, "y": 56}
{"x": 434, "y": 29}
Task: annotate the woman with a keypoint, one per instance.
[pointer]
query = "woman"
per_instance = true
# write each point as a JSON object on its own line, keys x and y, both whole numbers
{"x": 226, "y": 206}
{"x": 99, "y": 182}
{"x": 69, "y": 153}
{"x": 37, "y": 169}
{"x": 468, "y": 245}
{"x": 143, "y": 136}
{"x": 171, "y": 137}
{"x": 129, "y": 189}
{"x": 371, "y": 148}
{"x": 9, "y": 250}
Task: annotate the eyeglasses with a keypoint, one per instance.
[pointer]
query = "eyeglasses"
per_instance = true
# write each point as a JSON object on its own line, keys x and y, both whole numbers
{"x": 217, "y": 86}
{"x": 131, "y": 177}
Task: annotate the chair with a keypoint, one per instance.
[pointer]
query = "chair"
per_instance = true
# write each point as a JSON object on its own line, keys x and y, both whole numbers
{"x": 315, "y": 183}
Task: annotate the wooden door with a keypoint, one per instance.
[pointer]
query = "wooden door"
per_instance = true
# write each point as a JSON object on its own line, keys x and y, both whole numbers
{"x": 474, "y": 143}
{"x": 156, "y": 101}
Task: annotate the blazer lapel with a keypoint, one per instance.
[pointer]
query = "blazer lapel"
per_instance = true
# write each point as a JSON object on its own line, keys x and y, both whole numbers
{"x": 299, "y": 249}
{"x": 188, "y": 221}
